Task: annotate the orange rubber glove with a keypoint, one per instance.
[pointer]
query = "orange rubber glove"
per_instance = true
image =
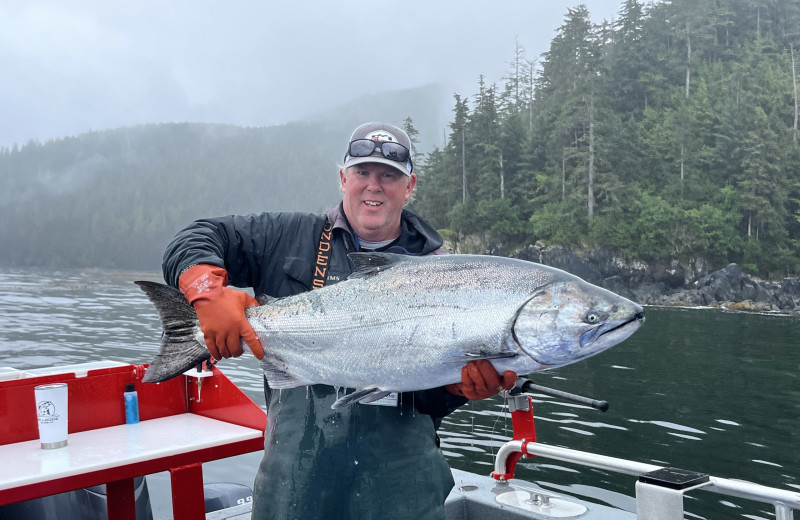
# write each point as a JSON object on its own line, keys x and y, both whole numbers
{"x": 479, "y": 380}
{"x": 220, "y": 311}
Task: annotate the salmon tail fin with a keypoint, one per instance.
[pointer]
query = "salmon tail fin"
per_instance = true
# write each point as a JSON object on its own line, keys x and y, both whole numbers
{"x": 182, "y": 345}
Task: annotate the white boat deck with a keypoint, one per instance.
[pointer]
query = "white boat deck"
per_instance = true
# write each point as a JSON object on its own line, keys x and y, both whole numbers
{"x": 26, "y": 463}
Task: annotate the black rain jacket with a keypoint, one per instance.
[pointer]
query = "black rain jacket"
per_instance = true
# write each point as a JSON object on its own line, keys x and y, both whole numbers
{"x": 357, "y": 462}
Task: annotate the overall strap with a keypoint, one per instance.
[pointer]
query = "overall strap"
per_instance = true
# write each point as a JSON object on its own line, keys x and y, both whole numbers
{"x": 323, "y": 259}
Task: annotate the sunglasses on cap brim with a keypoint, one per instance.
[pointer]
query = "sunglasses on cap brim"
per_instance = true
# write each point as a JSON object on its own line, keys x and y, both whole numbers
{"x": 392, "y": 151}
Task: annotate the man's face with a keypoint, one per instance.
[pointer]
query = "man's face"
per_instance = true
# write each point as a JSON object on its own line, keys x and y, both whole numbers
{"x": 374, "y": 194}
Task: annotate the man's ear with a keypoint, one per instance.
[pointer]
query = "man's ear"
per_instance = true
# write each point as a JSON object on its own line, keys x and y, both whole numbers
{"x": 412, "y": 181}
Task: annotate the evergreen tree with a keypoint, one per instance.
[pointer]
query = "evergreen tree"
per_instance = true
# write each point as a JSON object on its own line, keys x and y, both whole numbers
{"x": 669, "y": 134}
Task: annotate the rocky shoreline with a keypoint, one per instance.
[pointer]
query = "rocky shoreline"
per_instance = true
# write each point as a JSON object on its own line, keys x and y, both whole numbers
{"x": 670, "y": 283}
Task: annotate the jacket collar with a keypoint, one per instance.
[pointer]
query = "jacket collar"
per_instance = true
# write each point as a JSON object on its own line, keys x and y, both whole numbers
{"x": 416, "y": 235}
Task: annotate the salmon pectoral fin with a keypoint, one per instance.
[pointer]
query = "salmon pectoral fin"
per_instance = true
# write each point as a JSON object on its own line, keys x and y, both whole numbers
{"x": 474, "y": 356}
{"x": 365, "y": 395}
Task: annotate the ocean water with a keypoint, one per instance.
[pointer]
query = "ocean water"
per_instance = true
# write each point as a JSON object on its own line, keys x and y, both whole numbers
{"x": 698, "y": 389}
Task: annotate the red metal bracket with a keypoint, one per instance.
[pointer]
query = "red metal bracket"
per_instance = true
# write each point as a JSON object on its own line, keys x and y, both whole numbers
{"x": 121, "y": 499}
{"x": 187, "y": 492}
{"x": 524, "y": 426}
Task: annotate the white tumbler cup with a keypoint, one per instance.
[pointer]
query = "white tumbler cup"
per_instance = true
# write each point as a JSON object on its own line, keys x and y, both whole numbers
{"x": 51, "y": 408}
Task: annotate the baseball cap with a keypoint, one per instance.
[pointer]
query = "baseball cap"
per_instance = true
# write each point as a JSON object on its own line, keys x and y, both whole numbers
{"x": 390, "y": 155}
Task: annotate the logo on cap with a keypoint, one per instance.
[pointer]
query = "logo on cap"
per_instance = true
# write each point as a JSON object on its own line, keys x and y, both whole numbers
{"x": 381, "y": 135}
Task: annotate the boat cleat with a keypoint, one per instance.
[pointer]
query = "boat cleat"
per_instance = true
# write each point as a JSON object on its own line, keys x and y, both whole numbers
{"x": 539, "y": 502}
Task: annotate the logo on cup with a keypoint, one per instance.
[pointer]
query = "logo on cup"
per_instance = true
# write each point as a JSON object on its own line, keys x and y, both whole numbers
{"x": 46, "y": 409}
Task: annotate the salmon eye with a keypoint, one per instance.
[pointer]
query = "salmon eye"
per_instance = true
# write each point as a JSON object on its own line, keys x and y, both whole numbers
{"x": 592, "y": 318}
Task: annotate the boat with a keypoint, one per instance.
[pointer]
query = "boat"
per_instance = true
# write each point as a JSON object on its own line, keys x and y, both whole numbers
{"x": 101, "y": 472}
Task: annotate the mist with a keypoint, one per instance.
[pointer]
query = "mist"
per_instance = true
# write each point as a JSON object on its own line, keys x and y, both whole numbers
{"x": 83, "y": 66}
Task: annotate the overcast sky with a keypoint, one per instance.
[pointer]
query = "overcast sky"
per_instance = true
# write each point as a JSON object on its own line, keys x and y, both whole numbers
{"x": 68, "y": 67}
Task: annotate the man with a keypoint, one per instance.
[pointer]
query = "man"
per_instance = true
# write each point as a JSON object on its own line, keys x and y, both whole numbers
{"x": 377, "y": 461}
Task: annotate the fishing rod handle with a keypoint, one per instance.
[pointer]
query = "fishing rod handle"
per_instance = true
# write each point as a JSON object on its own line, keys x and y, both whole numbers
{"x": 526, "y": 386}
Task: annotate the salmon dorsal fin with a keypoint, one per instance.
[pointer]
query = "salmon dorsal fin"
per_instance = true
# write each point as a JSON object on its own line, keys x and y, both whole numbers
{"x": 368, "y": 264}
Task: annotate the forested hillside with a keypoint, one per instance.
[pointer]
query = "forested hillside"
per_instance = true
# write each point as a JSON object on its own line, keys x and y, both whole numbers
{"x": 114, "y": 198}
{"x": 670, "y": 133}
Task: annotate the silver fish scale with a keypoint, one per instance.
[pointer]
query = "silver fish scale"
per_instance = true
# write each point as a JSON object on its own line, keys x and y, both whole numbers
{"x": 379, "y": 329}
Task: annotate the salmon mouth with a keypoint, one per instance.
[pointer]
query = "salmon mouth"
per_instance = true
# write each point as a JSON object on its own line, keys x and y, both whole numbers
{"x": 638, "y": 317}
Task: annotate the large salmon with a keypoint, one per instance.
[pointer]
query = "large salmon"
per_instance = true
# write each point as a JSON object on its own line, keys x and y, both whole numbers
{"x": 404, "y": 323}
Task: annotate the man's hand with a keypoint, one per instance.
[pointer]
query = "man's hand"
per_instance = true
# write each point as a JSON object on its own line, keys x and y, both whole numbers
{"x": 479, "y": 380}
{"x": 220, "y": 311}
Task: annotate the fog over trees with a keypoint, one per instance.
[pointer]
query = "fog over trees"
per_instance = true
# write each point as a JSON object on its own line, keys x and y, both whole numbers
{"x": 671, "y": 133}
{"x": 114, "y": 198}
